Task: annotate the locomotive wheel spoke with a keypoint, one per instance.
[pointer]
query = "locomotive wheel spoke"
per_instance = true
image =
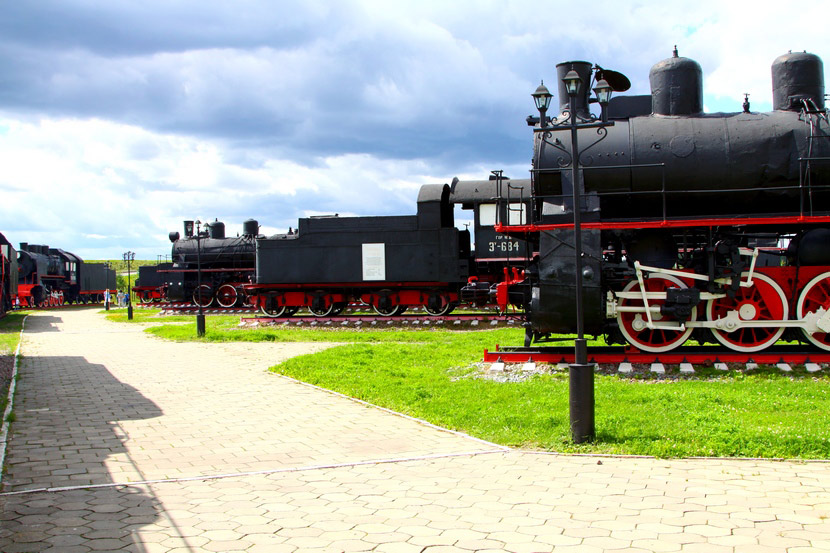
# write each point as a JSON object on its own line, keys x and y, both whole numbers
{"x": 815, "y": 296}
{"x": 633, "y": 324}
{"x": 764, "y": 301}
{"x": 226, "y": 295}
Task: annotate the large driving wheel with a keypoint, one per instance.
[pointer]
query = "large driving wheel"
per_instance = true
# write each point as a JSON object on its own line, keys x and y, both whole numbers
{"x": 203, "y": 296}
{"x": 633, "y": 325}
{"x": 384, "y": 307}
{"x": 321, "y": 306}
{"x": 438, "y": 305}
{"x": 227, "y": 295}
{"x": 763, "y": 301}
{"x": 815, "y": 298}
{"x": 271, "y": 308}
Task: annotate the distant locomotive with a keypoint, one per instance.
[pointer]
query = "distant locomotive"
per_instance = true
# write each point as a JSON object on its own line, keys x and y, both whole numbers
{"x": 50, "y": 276}
{"x": 707, "y": 226}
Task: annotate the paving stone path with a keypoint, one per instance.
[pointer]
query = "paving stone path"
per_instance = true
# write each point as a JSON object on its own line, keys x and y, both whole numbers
{"x": 124, "y": 442}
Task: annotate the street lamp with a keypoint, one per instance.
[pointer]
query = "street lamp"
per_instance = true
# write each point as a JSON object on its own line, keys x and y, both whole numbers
{"x": 200, "y": 315}
{"x": 581, "y": 374}
{"x": 129, "y": 257}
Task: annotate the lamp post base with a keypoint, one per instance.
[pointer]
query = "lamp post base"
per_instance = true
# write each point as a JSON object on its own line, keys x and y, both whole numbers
{"x": 200, "y": 324}
{"x": 129, "y": 311}
{"x": 581, "y": 399}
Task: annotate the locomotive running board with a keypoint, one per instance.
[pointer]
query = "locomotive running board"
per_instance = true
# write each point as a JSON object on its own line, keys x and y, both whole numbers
{"x": 696, "y": 355}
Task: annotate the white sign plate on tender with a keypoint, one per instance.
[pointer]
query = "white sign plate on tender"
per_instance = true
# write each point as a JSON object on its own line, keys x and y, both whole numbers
{"x": 374, "y": 262}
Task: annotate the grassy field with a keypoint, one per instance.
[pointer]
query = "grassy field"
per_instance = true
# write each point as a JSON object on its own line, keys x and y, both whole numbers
{"x": 9, "y": 337}
{"x": 436, "y": 375}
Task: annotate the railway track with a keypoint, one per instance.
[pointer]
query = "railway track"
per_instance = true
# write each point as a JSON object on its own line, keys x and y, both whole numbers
{"x": 407, "y": 319}
{"x": 785, "y": 357}
{"x": 354, "y": 315}
{"x": 46, "y": 306}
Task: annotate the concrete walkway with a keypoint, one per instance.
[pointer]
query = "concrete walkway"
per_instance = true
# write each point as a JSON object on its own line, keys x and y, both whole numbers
{"x": 124, "y": 442}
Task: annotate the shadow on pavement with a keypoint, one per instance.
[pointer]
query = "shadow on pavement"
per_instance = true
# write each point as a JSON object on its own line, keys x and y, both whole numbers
{"x": 65, "y": 441}
{"x": 42, "y": 323}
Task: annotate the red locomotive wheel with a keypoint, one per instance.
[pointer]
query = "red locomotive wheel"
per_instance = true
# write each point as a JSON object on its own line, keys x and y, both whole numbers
{"x": 764, "y": 301}
{"x": 633, "y": 325}
{"x": 203, "y": 296}
{"x": 438, "y": 305}
{"x": 226, "y": 296}
{"x": 271, "y": 308}
{"x": 384, "y": 308}
{"x": 814, "y": 297}
{"x": 321, "y": 306}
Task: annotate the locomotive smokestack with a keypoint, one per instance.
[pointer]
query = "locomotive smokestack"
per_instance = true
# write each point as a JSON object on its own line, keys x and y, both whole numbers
{"x": 583, "y": 69}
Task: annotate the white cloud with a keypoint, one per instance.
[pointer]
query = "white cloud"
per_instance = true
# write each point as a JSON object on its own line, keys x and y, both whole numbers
{"x": 119, "y": 121}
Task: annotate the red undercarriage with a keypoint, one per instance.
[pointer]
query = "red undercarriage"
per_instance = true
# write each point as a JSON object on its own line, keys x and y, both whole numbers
{"x": 407, "y": 294}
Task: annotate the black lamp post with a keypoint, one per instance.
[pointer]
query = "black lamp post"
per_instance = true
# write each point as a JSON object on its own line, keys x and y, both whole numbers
{"x": 200, "y": 315}
{"x": 129, "y": 257}
{"x": 581, "y": 373}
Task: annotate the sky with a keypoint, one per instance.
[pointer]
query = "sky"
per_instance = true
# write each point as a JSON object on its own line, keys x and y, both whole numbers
{"x": 120, "y": 119}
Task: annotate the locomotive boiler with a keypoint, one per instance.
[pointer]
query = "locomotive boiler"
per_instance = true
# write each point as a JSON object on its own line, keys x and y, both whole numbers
{"x": 714, "y": 226}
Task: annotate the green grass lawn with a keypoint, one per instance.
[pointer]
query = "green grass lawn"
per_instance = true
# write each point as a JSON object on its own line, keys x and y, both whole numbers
{"x": 436, "y": 375}
{"x": 10, "y": 332}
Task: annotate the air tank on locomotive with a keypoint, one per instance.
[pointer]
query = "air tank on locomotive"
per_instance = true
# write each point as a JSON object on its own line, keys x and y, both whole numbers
{"x": 670, "y": 144}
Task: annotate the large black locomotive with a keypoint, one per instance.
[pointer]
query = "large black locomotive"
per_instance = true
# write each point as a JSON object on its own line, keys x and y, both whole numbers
{"x": 711, "y": 226}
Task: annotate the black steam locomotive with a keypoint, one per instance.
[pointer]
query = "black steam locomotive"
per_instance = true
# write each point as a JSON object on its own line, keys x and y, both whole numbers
{"x": 224, "y": 265}
{"x": 714, "y": 227}
{"x": 51, "y": 276}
